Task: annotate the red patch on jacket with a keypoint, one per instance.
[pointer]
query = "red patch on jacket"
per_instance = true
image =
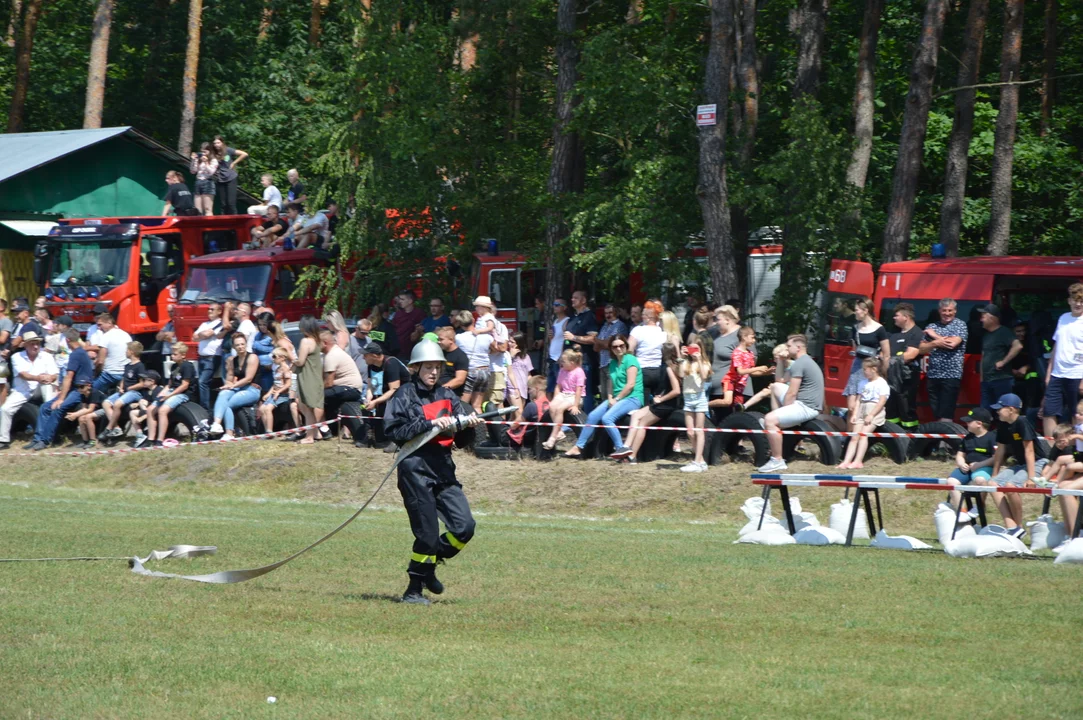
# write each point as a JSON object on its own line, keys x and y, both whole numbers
{"x": 439, "y": 409}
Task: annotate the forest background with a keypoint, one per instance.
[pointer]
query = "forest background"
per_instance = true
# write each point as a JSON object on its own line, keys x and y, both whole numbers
{"x": 566, "y": 129}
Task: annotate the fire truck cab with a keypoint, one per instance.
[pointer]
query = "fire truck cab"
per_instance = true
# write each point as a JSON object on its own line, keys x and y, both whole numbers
{"x": 1031, "y": 289}
{"x": 109, "y": 261}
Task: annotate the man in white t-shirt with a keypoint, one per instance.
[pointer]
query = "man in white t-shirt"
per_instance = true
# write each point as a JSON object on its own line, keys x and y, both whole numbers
{"x": 245, "y": 326}
{"x": 556, "y": 343}
{"x": 477, "y": 349}
{"x": 1064, "y": 374}
{"x": 209, "y": 359}
{"x": 498, "y": 364}
{"x": 112, "y": 353}
{"x": 31, "y": 368}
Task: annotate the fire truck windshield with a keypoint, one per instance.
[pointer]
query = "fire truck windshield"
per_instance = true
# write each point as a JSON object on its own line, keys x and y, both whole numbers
{"x": 101, "y": 261}
{"x": 245, "y": 283}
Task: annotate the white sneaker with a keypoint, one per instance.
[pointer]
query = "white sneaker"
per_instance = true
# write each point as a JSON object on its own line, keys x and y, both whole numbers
{"x": 692, "y": 467}
{"x": 773, "y": 465}
{"x": 217, "y": 429}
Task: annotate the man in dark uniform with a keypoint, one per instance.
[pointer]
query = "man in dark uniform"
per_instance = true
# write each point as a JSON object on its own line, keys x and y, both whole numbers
{"x": 902, "y": 405}
{"x": 427, "y": 477}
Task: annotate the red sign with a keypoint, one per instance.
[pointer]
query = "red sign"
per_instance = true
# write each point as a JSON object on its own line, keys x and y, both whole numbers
{"x": 706, "y": 115}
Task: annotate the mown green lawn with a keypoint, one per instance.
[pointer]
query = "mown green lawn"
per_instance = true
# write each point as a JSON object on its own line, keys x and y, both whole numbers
{"x": 543, "y": 617}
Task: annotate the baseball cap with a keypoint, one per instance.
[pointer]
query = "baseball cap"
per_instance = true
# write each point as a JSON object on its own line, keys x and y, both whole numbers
{"x": 64, "y": 320}
{"x": 1010, "y": 400}
{"x": 19, "y": 306}
{"x": 980, "y": 414}
{"x": 372, "y": 348}
{"x": 151, "y": 375}
{"x": 101, "y": 308}
{"x": 991, "y": 309}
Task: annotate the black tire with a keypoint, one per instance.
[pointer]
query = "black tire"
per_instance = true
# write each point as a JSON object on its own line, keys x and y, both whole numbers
{"x": 357, "y": 428}
{"x": 246, "y": 421}
{"x": 658, "y": 444}
{"x": 545, "y": 431}
{"x": 1041, "y": 446}
{"x": 25, "y": 423}
{"x": 184, "y": 418}
{"x": 923, "y": 448}
{"x": 731, "y": 443}
{"x": 485, "y": 451}
{"x": 283, "y": 418}
{"x": 829, "y": 447}
{"x": 897, "y": 448}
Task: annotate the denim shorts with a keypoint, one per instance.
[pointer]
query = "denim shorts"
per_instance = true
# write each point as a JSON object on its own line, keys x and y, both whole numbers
{"x": 1017, "y": 474}
{"x": 127, "y": 398}
{"x": 172, "y": 402}
{"x": 205, "y": 187}
{"x": 984, "y": 473}
{"x": 695, "y": 403}
{"x": 280, "y": 400}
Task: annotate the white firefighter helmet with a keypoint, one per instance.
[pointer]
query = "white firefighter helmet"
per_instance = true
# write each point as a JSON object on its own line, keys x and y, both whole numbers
{"x": 426, "y": 351}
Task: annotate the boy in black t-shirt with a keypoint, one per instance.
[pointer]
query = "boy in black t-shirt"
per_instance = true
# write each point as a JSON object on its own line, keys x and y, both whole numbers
{"x": 457, "y": 362}
{"x": 87, "y": 415}
{"x": 1016, "y": 440}
{"x": 974, "y": 460}
{"x": 129, "y": 391}
{"x": 174, "y": 395}
{"x": 139, "y": 414}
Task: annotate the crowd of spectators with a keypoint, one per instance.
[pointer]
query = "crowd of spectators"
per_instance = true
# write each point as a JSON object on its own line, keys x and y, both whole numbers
{"x": 634, "y": 368}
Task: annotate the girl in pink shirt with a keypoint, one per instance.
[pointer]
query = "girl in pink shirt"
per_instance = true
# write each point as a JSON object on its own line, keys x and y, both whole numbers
{"x": 571, "y": 384}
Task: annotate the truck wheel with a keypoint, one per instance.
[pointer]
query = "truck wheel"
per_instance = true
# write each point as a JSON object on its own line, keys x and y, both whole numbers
{"x": 184, "y": 418}
{"x": 827, "y": 447}
{"x": 896, "y": 447}
{"x": 25, "y": 423}
{"x": 923, "y": 448}
{"x": 744, "y": 446}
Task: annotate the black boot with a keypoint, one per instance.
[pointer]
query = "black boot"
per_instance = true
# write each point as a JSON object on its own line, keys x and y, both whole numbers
{"x": 434, "y": 586}
{"x": 413, "y": 590}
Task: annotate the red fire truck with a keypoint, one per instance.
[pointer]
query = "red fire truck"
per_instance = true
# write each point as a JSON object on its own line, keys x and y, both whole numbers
{"x": 109, "y": 261}
{"x": 268, "y": 276}
{"x": 1026, "y": 288}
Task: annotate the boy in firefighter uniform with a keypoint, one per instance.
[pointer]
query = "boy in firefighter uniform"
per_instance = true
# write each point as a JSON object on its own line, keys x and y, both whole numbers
{"x": 427, "y": 477}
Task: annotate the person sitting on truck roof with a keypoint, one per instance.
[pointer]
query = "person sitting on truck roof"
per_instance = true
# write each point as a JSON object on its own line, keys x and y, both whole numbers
{"x": 296, "y": 192}
{"x": 1064, "y": 372}
{"x": 178, "y": 197}
{"x": 268, "y": 232}
{"x": 905, "y": 349}
{"x": 316, "y": 231}
{"x": 804, "y": 400}
{"x": 272, "y": 198}
{"x": 945, "y": 344}
{"x": 295, "y": 216}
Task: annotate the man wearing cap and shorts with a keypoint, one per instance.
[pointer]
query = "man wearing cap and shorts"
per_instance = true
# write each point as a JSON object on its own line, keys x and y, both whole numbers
{"x": 1064, "y": 374}
{"x": 498, "y": 359}
{"x": 31, "y": 370}
{"x": 1015, "y": 440}
{"x": 804, "y": 400}
{"x": 477, "y": 349}
{"x": 999, "y": 347}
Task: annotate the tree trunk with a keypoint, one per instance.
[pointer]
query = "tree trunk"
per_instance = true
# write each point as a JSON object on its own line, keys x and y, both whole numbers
{"x": 748, "y": 77}
{"x": 711, "y": 190}
{"x": 1049, "y": 66}
{"x": 811, "y": 22}
{"x": 562, "y": 167}
{"x": 13, "y": 23}
{"x": 23, "y": 50}
{"x": 191, "y": 73}
{"x": 864, "y": 93}
{"x": 99, "y": 63}
{"x": 635, "y": 12}
{"x": 314, "y": 29}
{"x": 951, "y": 207}
{"x": 912, "y": 139}
{"x": 1000, "y": 199}
{"x": 266, "y": 17}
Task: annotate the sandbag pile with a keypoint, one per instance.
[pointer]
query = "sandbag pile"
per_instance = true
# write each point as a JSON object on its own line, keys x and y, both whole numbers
{"x": 819, "y": 536}
{"x": 1045, "y": 534}
{"x": 773, "y": 531}
{"x": 897, "y": 542}
{"x": 990, "y": 541}
{"x": 945, "y": 519}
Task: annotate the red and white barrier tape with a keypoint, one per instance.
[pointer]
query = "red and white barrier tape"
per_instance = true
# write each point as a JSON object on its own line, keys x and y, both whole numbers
{"x": 732, "y": 431}
{"x": 122, "y": 451}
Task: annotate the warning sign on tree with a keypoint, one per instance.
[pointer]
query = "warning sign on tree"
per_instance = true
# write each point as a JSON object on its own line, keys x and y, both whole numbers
{"x": 706, "y": 115}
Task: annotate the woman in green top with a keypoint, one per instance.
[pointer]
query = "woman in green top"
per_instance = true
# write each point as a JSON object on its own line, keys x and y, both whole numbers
{"x": 627, "y": 396}
{"x": 309, "y": 369}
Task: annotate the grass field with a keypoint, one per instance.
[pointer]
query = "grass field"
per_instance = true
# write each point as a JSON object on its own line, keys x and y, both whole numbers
{"x": 589, "y": 591}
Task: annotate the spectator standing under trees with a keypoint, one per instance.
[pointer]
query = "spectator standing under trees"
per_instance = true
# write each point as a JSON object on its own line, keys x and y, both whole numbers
{"x": 436, "y": 319}
{"x": 579, "y": 334}
{"x": 1064, "y": 373}
{"x": 456, "y": 362}
{"x": 309, "y": 369}
{"x": 870, "y": 340}
{"x": 382, "y": 331}
{"x": 556, "y": 344}
{"x": 611, "y": 328}
{"x": 226, "y": 177}
{"x": 804, "y": 400}
{"x": 998, "y": 348}
{"x": 724, "y": 334}
{"x": 905, "y": 349}
{"x": 209, "y": 360}
{"x": 945, "y": 344}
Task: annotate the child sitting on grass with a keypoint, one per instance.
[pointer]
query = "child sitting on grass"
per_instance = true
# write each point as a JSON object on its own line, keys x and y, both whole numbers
{"x": 868, "y": 415}
{"x": 974, "y": 460}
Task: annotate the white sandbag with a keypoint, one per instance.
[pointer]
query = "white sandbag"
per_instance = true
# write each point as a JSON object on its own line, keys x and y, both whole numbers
{"x": 840, "y": 520}
{"x": 819, "y": 536}
{"x": 993, "y": 529}
{"x": 753, "y": 506}
{"x": 802, "y": 520}
{"x": 1045, "y": 533}
{"x": 945, "y": 518}
{"x": 897, "y": 542}
{"x": 987, "y": 544}
{"x": 1070, "y": 552}
{"x": 795, "y": 505}
{"x": 769, "y": 535}
{"x": 753, "y": 525}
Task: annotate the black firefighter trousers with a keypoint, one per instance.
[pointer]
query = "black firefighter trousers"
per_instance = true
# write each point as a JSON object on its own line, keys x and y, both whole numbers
{"x": 431, "y": 493}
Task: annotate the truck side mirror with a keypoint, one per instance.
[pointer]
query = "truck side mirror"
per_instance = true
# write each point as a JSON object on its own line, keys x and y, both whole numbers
{"x": 158, "y": 247}
{"x": 41, "y": 263}
{"x": 159, "y": 267}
